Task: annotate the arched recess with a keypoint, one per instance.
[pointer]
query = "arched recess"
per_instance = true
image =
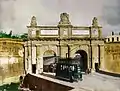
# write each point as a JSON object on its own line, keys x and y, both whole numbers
{"x": 49, "y": 53}
{"x": 82, "y": 57}
{"x": 49, "y": 58}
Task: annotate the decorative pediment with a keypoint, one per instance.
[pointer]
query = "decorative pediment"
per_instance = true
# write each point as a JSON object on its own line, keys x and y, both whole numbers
{"x": 95, "y": 22}
{"x": 33, "y": 21}
{"x": 64, "y": 18}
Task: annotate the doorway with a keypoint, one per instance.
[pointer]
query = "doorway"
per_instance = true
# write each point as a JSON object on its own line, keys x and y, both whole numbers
{"x": 34, "y": 68}
{"x": 96, "y": 67}
{"x": 82, "y": 58}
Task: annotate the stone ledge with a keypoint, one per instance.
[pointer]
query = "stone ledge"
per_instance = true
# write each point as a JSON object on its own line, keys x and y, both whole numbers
{"x": 8, "y": 80}
{"x": 62, "y": 82}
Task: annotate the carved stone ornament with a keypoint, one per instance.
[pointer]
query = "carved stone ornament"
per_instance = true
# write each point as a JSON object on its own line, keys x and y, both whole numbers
{"x": 64, "y": 18}
{"x": 95, "y": 22}
{"x": 33, "y": 21}
{"x": 20, "y": 52}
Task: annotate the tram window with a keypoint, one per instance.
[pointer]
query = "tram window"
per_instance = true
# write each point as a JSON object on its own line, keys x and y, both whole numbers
{"x": 73, "y": 68}
{"x": 63, "y": 67}
{"x": 60, "y": 68}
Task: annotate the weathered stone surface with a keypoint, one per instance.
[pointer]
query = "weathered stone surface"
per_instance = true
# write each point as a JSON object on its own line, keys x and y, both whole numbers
{"x": 112, "y": 57}
{"x": 66, "y": 43}
{"x": 11, "y": 59}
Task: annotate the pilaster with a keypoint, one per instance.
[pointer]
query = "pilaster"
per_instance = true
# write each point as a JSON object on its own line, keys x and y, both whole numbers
{"x": 33, "y": 55}
{"x": 39, "y": 59}
{"x": 26, "y": 58}
{"x": 29, "y": 61}
{"x": 89, "y": 57}
{"x": 102, "y": 64}
{"x": 95, "y": 55}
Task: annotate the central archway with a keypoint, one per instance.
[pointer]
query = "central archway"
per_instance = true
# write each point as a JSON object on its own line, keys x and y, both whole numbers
{"x": 81, "y": 55}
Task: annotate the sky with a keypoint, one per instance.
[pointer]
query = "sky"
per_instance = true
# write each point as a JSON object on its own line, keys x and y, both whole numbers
{"x": 15, "y": 15}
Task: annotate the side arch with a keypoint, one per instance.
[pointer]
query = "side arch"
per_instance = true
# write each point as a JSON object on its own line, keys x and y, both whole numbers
{"x": 49, "y": 59}
{"x": 49, "y": 53}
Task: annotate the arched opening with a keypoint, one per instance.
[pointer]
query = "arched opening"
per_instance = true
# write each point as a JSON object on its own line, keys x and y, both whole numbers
{"x": 49, "y": 60}
{"x": 81, "y": 55}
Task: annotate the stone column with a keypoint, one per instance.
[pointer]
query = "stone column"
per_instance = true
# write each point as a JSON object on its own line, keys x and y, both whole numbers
{"x": 64, "y": 51}
{"x": 29, "y": 60}
{"x": 39, "y": 60}
{"x": 94, "y": 56}
{"x": 58, "y": 50}
{"x": 26, "y": 58}
{"x": 90, "y": 56}
{"x": 33, "y": 55}
{"x": 102, "y": 64}
{"x": 68, "y": 50}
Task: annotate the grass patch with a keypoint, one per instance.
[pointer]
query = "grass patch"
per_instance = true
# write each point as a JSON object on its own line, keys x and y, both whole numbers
{"x": 10, "y": 87}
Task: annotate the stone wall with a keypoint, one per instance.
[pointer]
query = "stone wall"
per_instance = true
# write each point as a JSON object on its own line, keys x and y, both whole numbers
{"x": 39, "y": 84}
{"x": 112, "y": 57}
{"x": 11, "y": 59}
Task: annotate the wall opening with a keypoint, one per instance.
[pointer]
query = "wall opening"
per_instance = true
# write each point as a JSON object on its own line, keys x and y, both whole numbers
{"x": 34, "y": 68}
{"x": 82, "y": 57}
{"x": 49, "y": 60}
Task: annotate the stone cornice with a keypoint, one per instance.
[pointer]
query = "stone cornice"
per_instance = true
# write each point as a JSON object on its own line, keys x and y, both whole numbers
{"x": 45, "y": 39}
{"x": 80, "y": 28}
{"x": 42, "y": 27}
{"x": 96, "y": 26}
{"x": 64, "y": 39}
{"x": 10, "y": 39}
{"x": 64, "y": 25}
{"x": 117, "y": 42}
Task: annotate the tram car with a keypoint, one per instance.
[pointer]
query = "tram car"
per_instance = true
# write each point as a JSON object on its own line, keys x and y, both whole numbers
{"x": 68, "y": 69}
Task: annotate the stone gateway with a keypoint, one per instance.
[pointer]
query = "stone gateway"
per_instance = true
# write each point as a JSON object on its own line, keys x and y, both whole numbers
{"x": 46, "y": 43}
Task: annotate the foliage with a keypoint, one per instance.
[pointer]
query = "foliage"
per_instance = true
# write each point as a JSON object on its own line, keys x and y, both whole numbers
{"x": 5, "y": 35}
{"x": 9, "y": 87}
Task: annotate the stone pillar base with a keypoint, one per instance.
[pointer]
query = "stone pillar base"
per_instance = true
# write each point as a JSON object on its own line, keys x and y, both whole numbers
{"x": 39, "y": 71}
{"x": 29, "y": 71}
{"x": 92, "y": 70}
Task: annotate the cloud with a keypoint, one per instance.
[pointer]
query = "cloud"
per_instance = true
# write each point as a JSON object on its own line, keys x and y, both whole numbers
{"x": 7, "y": 14}
{"x": 110, "y": 16}
{"x": 16, "y": 14}
{"x": 111, "y": 13}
